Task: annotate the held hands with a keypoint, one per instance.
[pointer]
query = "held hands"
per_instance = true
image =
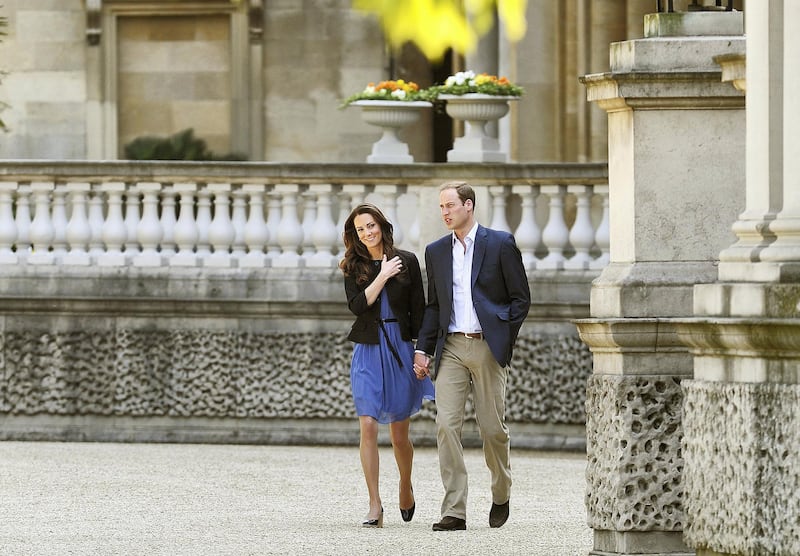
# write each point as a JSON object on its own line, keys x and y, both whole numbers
{"x": 391, "y": 267}
{"x": 422, "y": 365}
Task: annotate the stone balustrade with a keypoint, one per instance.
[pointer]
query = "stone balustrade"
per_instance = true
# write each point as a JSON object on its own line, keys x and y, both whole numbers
{"x": 201, "y": 301}
{"x": 286, "y": 216}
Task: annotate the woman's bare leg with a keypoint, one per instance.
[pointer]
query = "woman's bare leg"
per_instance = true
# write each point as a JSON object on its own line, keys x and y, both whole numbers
{"x": 404, "y": 455}
{"x": 370, "y": 463}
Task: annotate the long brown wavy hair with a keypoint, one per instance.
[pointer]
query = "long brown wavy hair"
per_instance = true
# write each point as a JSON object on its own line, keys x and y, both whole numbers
{"x": 357, "y": 261}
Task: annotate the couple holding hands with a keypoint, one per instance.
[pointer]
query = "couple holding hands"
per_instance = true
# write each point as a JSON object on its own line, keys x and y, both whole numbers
{"x": 478, "y": 298}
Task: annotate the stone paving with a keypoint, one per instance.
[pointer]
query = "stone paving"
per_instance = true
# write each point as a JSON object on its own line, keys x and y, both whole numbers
{"x": 194, "y": 500}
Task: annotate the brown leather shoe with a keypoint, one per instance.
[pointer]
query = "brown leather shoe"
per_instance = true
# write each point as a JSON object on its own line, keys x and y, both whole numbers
{"x": 498, "y": 515}
{"x": 450, "y": 523}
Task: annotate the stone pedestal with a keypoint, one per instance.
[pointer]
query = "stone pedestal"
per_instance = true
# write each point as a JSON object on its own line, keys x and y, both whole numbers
{"x": 741, "y": 410}
{"x": 676, "y": 167}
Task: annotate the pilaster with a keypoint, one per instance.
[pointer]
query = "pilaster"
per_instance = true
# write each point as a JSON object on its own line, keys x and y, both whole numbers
{"x": 676, "y": 148}
{"x": 741, "y": 418}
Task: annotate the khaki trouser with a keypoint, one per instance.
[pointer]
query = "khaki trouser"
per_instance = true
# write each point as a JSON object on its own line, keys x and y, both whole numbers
{"x": 468, "y": 364}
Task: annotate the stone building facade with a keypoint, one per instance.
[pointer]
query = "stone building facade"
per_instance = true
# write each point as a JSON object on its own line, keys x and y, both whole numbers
{"x": 265, "y": 79}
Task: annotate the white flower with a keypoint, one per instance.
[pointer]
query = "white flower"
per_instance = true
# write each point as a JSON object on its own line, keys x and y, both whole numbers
{"x": 399, "y": 94}
{"x": 370, "y": 89}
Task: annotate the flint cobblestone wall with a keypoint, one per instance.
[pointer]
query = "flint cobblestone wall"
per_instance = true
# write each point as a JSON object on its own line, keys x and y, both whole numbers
{"x": 247, "y": 375}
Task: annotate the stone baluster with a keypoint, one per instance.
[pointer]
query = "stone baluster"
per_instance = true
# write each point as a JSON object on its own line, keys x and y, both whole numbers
{"x": 41, "y": 230}
{"x": 220, "y": 231}
{"x": 555, "y": 235}
{"x": 22, "y": 219}
{"x": 356, "y": 193}
{"x": 185, "y": 227}
{"x": 8, "y": 228}
{"x": 414, "y": 231}
{"x": 498, "y": 194}
{"x": 132, "y": 217}
{"x": 96, "y": 221}
{"x": 256, "y": 232}
{"x": 203, "y": 220}
{"x": 273, "y": 225}
{"x": 168, "y": 221}
{"x": 59, "y": 220}
{"x": 290, "y": 232}
{"x": 309, "y": 219}
{"x": 149, "y": 232}
{"x": 239, "y": 222}
{"x": 581, "y": 236}
{"x": 528, "y": 234}
{"x": 78, "y": 232}
{"x": 602, "y": 236}
{"x": 324, "y": 230}
{"x": 389, "y": 193}
{"x": 115, "y": 232}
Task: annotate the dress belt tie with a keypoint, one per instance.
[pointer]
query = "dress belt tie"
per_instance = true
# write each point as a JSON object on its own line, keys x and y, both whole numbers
{"x": 388, "y": 341}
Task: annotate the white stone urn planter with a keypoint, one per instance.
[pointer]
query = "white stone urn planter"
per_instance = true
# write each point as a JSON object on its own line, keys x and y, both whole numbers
{"x": 390, "y": 116}
{"x": 476, "y": 109}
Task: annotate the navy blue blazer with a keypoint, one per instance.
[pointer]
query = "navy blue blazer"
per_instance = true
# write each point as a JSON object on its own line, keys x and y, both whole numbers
{"x": 500, "y": 292}
{"x": 407, "y": 301}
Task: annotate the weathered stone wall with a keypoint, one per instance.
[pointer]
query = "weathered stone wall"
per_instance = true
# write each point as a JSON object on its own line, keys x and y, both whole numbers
{"x": 633, "y": 448}
{"x": 742, "y": 453}
{"x": 230, "y": 356}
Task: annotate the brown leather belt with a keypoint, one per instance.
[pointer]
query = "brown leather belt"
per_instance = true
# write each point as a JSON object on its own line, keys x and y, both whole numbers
{"x": 470, "y": 335}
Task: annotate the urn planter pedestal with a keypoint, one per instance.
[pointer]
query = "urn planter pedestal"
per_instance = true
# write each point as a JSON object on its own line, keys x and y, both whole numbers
{"x": 476, "y": 109}
{"x": 390, "y": 116}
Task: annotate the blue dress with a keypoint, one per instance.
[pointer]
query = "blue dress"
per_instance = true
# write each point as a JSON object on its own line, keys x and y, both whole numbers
{"x": 382, "y": 389}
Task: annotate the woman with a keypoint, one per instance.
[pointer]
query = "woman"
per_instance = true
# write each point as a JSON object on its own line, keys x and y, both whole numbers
{"x": 384, "y": 290}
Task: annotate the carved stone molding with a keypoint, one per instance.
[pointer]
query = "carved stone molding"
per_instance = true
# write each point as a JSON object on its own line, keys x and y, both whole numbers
{"x": 255, "y": 18}
{"x": 94, "y": 10}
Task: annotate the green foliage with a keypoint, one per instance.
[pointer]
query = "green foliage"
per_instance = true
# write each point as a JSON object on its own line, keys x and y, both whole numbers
{"x": 180, "y": 146}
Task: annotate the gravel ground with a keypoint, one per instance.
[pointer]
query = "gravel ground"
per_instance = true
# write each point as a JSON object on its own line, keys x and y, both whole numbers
{"x": 193, "y": 499}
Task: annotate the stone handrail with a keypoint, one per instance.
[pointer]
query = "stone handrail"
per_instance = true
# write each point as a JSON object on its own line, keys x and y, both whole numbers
{"x": 257, "y": 215}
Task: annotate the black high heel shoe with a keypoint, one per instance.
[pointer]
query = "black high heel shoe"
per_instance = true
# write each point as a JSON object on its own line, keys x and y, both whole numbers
{"x": 377, "y": 523}
{"x": 408, "y": 514}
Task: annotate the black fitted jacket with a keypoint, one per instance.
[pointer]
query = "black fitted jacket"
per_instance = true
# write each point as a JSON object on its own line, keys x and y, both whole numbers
{"x": 406, "y": 300}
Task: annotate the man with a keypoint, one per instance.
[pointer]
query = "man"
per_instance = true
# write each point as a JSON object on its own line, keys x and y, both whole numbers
{"x": 478, "y": 298}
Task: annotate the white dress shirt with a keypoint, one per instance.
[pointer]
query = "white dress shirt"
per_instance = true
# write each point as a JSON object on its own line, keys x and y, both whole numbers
{"x": 463, "y": 317}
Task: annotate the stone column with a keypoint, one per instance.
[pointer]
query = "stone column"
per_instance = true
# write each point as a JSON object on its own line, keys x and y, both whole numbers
{"x": 741, "y": 410}
{"x": 676, "y": 161}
